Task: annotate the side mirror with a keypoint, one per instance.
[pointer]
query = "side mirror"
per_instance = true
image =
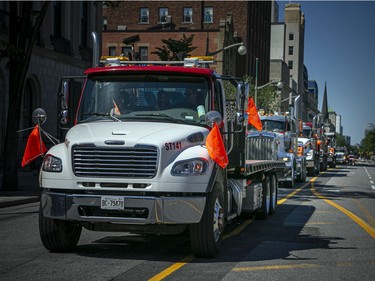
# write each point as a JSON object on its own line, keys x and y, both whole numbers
{"x": 39, "y": 116}
{"x": 213, "y": 117}
{"x": 64, "y": 117}
{"x": 64, "y": 102}
{"x": 69, "y": 94}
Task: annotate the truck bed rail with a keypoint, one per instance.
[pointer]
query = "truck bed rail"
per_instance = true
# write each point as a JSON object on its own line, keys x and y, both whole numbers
{"x": 254, "y": 166}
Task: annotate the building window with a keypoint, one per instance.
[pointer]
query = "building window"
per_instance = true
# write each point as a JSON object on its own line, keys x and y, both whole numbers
{"x": 290, "y": 52}
{"x": 291, "y": 36}
{"x": 127, "y": 52}
{"x": 290, "y": 64}
{"x": 144, "y": 15}
{"x": 105, "y": 22}
{"x": 143, "y": 53}
{"x": 84, "y": 23}
{"x": 163, "y": 14}
{"x": 57, "y": 16}
{"x": 208, "y": 14}
{"x": 112, "y": 51}
{"x": 188, "y": 15}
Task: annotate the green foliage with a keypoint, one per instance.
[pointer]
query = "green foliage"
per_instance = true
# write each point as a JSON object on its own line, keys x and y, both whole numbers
{"x": 230, "y": 91}
{"x": 340, "y": 141}
{"x": 175, "y": 50}
{"x": 368, "y": 143}
{"x": 267, "y": 99}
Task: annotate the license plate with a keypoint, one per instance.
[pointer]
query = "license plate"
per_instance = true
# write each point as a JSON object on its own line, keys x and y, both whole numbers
{"x": 112, "y": 203}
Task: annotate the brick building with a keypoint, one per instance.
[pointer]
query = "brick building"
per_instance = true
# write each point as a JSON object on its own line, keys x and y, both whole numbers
{"x": 214, "y": 24}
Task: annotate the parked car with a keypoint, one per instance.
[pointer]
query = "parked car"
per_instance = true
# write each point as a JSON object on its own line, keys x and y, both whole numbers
{"x": 351, "y": 159}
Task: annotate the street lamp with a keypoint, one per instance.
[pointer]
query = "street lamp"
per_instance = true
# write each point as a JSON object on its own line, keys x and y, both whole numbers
{"x": 241, "y": 49}
{"x": 291, "y": 106}
{"x": 281, "y": 85}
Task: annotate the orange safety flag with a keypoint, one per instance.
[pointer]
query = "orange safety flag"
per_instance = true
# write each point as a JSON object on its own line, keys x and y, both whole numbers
{"x": 117, "y": 110}
{"x": 216, "y": 148}
{"x": 34, "y": 147}
{"x": 252, "y": 115}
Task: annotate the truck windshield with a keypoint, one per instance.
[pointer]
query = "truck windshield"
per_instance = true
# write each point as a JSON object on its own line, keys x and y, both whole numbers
{"x": 273, "y": 126}
{"x": 173, "y": 98}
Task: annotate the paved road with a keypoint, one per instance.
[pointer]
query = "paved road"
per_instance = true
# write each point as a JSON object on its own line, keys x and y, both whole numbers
{"x": 322, "y": 230}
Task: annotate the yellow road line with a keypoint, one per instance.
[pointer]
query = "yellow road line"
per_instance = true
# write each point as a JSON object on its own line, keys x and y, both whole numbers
{"x": 370, "y": 230}
{"x": 369, "y": 216}
{"x": 275, "y": 267}
{"x": 238, "y": 229}
{"x": 174, "y": 267}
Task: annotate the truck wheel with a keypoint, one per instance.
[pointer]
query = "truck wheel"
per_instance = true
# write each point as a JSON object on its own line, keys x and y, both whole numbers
{"x": 311, "y": 171}
{"x": 206, "y": 236}
{"x": 58, "y": 235}
{"x": 266, "y": 199}
{"x": 274, "y": 187}
{"x": 300, "y": 177}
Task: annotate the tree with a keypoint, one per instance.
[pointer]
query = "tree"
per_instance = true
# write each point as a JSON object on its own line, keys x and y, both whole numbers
{"x": 23, "y": 31}
{"x": 340, "y": 141}
{"x": 267, "y": 99}
{"x": 368, "y": 143}
{"x": 175, "y": 50}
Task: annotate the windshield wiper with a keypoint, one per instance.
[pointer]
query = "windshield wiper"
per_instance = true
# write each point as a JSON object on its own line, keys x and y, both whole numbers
{"x": 160, "y": 115}
{"x": 96, "y": 114}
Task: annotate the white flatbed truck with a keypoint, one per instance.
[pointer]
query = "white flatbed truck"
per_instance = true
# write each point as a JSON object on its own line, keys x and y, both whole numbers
{"x": 147, "y": 170}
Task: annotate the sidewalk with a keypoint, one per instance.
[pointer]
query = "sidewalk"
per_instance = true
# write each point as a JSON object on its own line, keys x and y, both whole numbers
{"x": 28, "y": 191}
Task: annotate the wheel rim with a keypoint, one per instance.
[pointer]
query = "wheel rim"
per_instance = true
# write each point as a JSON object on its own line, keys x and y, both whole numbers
{"x": 218, "y": 219}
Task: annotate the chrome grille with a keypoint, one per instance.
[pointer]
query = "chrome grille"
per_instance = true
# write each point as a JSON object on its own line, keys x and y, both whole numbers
{"x": 261, "y": 148}
{"x": 134, "y": 162}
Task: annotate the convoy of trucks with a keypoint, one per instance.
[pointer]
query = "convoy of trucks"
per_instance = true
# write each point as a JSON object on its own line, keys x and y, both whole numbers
{"x": 158, "y": 148}
{"x": 286, "y": 129}
{"x": 128, "y": 164}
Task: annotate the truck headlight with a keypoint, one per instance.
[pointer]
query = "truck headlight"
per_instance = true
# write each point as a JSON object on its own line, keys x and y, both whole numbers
{"x": 52, "y": 164}
{"x": 285, "y": 159}
{"x": 191, "y": 167}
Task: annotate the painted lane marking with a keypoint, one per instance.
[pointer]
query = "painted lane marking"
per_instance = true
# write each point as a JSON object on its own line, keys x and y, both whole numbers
{"x": 174, "y": 267}
{"x": 370, "y": 230}
{"x": 371, "y": 181}
{"x": 275, "y": 267}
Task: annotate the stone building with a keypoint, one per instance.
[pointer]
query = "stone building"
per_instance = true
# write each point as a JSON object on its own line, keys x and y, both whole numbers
{"x": 64, "y": 48}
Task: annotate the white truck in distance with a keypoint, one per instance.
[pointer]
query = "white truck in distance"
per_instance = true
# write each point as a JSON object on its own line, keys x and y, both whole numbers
{"x": 285, "y": 129}
{"x": 127, "y": 164}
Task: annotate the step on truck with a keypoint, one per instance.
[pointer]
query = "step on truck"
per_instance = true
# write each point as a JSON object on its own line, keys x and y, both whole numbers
{"x": 133, "y": 157}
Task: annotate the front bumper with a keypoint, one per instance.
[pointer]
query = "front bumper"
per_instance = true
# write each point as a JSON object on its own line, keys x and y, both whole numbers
{"x": 138, "y": 209}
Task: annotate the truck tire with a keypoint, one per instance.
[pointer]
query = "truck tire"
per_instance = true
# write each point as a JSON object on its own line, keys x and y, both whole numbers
{"x": 206, "y": 236}
{"x": 58, "y": 235}
{"x": 274, "y": 187}
{"x": 266, "y": 199}
{"x": 311, "y": 171}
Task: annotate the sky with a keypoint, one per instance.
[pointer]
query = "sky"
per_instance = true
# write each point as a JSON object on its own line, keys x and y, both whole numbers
{"x": 340, "y": 50}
